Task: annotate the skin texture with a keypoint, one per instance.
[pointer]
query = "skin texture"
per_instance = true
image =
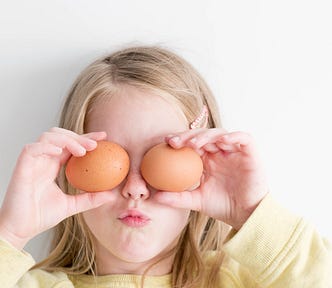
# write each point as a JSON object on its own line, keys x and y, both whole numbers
{"x": 232, "y": 185}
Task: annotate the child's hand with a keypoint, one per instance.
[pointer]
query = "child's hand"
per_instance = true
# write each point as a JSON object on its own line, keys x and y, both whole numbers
{"x": 233, "y": 182}
{"x": 34, "y": 202}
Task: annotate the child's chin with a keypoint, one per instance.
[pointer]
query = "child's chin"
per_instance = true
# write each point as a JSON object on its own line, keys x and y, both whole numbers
{"x": 138, "y": 256}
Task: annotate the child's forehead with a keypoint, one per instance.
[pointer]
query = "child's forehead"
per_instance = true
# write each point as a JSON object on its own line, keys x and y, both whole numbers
{"x": 136, "y": 115}
{"x": 137, "y": 102}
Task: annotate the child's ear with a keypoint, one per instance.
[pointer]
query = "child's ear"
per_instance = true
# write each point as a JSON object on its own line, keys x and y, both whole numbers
{"x": 201, "y": 120}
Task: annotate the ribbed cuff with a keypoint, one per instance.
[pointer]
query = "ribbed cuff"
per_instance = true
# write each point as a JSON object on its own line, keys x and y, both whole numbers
{"x": 265, "y": 240}
{"x": 13, "y": 264}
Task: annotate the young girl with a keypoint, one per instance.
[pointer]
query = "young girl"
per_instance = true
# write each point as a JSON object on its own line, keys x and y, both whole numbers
{"x": 139, "y": 97}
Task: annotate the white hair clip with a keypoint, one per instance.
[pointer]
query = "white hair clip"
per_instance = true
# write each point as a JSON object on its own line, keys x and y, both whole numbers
{"x": 201, "y": 120}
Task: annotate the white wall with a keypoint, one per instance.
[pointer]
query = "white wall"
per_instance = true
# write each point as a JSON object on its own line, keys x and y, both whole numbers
{"x": 268, "y": 62}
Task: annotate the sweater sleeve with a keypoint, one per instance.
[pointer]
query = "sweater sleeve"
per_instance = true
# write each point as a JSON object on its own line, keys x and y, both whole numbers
{"x": 13, "y": 264}
{"x": 280, "y": 250}
{"x": 14, "y": 271}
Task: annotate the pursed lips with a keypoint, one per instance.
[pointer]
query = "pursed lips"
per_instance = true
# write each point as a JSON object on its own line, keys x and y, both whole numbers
{"x": 134, "y": 218}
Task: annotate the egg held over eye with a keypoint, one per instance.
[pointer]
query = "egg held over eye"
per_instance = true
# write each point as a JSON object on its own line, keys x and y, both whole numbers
{"x": 169, "y": 169}
{"x": 101, "y": 169}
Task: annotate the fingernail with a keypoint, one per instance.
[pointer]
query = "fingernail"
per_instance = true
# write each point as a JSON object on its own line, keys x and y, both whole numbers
{"x": 81, "y": 151}
{"x": 92, "y": 144}
{"x": 58, "y": 150}
{"x": 175, "y": 139}
{"x": 193, "y": 140}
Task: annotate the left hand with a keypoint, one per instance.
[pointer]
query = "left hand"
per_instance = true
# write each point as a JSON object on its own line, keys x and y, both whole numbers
{"x": 233, "y": 182}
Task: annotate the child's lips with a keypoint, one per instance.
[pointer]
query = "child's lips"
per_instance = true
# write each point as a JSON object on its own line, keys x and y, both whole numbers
{"x": 134, "y": 218}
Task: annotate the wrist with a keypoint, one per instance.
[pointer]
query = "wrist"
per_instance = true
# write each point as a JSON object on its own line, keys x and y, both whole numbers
{"x": 11, "y": 238}
{"x": 239, "y": 222}
{"x": 243, "y": 216}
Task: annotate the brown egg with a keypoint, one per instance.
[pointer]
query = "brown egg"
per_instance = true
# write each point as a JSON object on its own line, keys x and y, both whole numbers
{"x": 100, "y": 169}
{"x": 169, "y": 169}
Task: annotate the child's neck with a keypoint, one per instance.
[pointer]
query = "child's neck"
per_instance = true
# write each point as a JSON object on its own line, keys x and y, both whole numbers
{"x": 107, "y": 265}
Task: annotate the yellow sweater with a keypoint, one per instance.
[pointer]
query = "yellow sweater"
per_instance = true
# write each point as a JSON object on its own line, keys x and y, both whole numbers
{"x": 274, "y": 249}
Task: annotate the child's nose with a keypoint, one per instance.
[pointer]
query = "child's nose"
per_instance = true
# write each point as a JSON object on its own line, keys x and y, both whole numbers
{"x": 135, "y": 187}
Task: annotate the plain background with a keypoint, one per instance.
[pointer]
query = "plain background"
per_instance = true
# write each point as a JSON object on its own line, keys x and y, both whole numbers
{"x": 269, "y": 63}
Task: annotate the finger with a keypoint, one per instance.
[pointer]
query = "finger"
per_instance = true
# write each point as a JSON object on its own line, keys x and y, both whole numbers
{"x": 76, "y": 146}
{"x": 197, "y": 138}
{"x": 95, "y": 135}
{"x": 228, "y": 142}
{"x": 178, "y": 140}
{"x": 211, "y": 148}
{"x": 39, "y": 149}
{"x": 206, "y": 137}
{"x": 86, "y": 201}
{"x": 61, "y": 131}
{"x": 185, "y": 200}
{"x": 88, "y": 140}
{"x": 228, "y": 147}
{"x": 242, "y": 140}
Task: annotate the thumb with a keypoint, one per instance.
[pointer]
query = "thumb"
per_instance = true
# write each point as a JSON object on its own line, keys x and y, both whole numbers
{"x": 86, "y": 201}
{"x": 185, "y": 200}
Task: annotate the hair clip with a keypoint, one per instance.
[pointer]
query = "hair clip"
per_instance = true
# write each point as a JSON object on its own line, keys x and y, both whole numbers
{"x": 201, "y": 120}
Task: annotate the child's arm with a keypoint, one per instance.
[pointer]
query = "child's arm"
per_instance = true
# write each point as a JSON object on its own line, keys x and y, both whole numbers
{"x": 234, "y": 190}
{"x": 14, "y": 265}
{"x": 279, "y": 250}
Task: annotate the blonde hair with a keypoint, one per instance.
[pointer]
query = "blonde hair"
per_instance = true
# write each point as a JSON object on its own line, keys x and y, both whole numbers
{"x": 153, "y": 68}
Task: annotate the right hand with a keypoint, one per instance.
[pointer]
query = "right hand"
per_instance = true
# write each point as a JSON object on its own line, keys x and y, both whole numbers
{"x": 34, "y": 202}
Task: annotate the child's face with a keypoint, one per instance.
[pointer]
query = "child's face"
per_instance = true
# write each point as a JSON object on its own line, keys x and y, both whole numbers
{"x": 136, "y": 120}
